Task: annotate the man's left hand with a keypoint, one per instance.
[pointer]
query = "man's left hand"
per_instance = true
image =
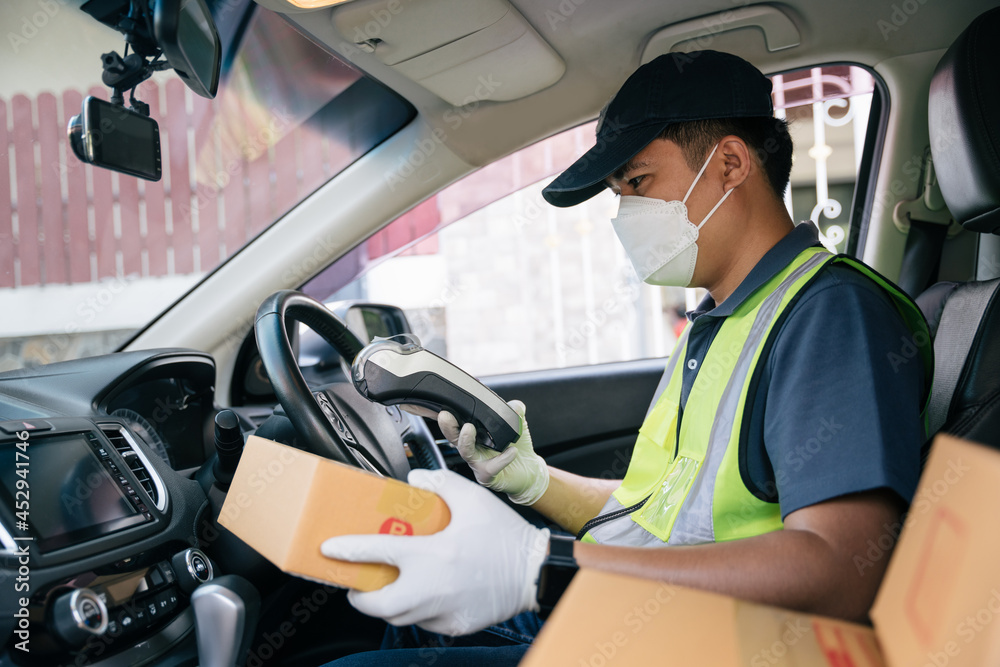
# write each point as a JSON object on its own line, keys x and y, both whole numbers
{"x": 480, "y": 570}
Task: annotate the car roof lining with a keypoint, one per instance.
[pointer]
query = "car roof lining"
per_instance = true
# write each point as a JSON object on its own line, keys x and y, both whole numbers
{"x": 482, "y": 132}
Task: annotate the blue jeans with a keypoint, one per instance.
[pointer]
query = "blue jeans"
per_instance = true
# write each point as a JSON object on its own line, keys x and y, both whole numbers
{"x": 503, "y": 644}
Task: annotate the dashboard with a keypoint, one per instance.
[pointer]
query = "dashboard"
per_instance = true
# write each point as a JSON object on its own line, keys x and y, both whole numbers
{"x": 109, "y": 496}
{"x": 101, "y": 515}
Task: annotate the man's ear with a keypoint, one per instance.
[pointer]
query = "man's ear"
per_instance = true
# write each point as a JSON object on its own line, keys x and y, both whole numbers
{"x": 738, "y": 161}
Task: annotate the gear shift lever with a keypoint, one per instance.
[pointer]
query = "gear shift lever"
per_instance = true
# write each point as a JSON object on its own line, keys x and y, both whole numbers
{"x": 225, "y": 617}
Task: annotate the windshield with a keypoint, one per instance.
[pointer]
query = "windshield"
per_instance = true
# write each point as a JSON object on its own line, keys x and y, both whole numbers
{"x": 88, "y": 256}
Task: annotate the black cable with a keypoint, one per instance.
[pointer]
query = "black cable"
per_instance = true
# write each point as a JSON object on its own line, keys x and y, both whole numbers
{"x": 144, "y": 7}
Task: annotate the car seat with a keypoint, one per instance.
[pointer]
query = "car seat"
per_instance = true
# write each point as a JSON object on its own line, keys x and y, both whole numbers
{"x": 964, "y": 318}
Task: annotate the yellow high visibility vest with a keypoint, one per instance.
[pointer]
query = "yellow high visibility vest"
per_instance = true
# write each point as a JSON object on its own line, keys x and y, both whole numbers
{"x": 689, "y": 490}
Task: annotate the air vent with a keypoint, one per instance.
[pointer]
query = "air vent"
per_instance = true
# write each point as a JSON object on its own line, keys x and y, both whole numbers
{"x": 124, "y": 444}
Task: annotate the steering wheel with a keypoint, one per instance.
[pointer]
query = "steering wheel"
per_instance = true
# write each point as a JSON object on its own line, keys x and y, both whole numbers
{"x": 334, "y": 421}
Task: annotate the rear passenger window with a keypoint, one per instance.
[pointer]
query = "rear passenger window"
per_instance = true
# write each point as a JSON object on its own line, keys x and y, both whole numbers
{"x": 498, "y": 281}
{"x": 828, "y": 110}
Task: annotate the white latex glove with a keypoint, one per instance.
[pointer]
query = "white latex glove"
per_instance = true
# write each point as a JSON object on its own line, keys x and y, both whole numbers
{"x": 480, "y": 570}
{"x": 517, "y": 471}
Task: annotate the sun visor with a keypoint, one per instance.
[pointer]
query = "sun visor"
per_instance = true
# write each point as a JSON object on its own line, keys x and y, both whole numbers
{"x": 477, "y": 51}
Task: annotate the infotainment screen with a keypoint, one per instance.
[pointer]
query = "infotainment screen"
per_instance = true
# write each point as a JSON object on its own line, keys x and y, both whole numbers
{"x": 73, "y": 496}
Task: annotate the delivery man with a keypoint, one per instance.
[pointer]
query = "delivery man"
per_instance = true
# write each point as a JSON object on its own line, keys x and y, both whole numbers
{"x": 786, "y": 434}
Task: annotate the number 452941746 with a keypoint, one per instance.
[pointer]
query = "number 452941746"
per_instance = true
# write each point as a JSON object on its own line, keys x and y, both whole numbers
{"x": 22, "y": 487}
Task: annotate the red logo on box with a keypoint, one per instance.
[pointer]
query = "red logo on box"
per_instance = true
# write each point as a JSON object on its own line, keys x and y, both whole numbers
{"x": 393, "y": 526}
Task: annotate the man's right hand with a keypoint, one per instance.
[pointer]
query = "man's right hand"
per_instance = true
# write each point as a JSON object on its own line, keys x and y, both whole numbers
{"x": 517, "y": 471}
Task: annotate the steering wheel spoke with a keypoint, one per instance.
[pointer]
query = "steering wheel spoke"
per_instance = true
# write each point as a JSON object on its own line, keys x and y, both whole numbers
{"x": 344, "y": 432}
{"x": 336, "y": 421}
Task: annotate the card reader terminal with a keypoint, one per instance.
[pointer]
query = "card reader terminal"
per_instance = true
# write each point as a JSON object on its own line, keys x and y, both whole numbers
{"x": 404, "y": 373}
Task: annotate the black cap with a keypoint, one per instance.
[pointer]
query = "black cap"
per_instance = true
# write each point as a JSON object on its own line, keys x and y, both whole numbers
{"x": 673, "y": 88}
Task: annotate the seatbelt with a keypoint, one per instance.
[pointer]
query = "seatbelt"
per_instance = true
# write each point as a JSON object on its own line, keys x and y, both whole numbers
{"x": 921, "y": 256}
{"x": 960, "y": 320}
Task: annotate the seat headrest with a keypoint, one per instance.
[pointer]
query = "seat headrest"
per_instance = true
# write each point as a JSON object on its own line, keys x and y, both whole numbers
{"x": 964, "y": 124}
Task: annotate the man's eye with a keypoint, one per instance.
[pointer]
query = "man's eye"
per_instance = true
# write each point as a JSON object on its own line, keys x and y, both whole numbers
{"x": 635, "y": 181}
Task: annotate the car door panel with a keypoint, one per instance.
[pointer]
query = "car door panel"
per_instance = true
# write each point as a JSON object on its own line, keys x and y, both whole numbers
{"x": 585, "y": 419}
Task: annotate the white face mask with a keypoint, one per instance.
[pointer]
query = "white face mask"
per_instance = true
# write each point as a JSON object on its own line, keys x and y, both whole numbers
{"x": 658, "y": 236}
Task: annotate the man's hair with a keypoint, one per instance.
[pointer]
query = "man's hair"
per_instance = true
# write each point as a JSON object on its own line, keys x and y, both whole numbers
{"x": 766, "y": 137}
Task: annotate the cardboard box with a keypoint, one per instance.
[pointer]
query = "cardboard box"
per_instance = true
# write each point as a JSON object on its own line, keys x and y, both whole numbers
{"x": 285, "y": 503}
{"x": 608, "y": 619}
{"x": 939, "y": 605}
{"x": 940, "y": 602}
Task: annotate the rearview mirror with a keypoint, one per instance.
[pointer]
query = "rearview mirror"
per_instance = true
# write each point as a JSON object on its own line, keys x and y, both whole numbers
{"x": 111, "y": 136}
{"x": 186, "y": 32}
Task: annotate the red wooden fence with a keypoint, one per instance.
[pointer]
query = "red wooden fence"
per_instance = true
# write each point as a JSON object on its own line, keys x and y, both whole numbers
{"x": 62, "y": 221}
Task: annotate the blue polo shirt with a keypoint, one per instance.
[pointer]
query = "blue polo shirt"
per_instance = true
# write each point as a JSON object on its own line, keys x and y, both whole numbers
{"x": 834, "y": 411}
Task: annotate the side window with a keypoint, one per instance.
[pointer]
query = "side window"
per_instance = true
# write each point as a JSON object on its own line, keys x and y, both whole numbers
{"x": 498, "y": 281}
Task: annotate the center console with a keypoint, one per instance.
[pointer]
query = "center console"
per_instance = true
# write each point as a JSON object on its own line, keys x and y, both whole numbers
{"x": 70, "y": 491}
{"x": 72, "y": 488}
{"x": 107, "y": 608}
